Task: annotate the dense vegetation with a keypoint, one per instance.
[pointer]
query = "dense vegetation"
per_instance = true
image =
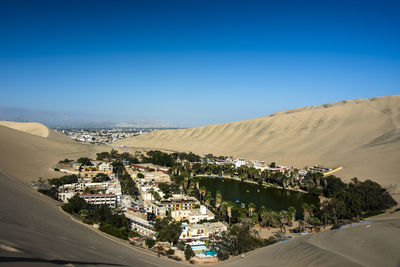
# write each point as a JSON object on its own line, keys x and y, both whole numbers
{"x": 235, "y": 241}
{"x": 353, "y": 201}
{"x": 66, "y": 179}
{"x": 100, "y": 177}
{"x": 110, "y": 222}
{"x": 114, "y": 155}
{"x": 191, "y": 157}
{"x": 168, "y": 230}
{"x": 52, "y": 192}
{"x": 158, "y": 158}
{"x": 169, "y": 190}
{"x": 85, "y": 161}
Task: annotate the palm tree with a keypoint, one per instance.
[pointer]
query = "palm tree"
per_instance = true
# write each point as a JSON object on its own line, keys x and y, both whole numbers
{"x": 218, "y": 199}
{"x": 252, "y": 208}
{"x": 308, "y": 212}
{"x": 283, "y": 216}
{"x": 268, "y": 218}
{"x": 202, "y": 191}
{"x": 291, "y": 214}
{"x": 208, "y": 199}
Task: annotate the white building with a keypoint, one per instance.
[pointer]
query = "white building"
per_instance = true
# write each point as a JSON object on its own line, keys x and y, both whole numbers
{"x": 146, "y": 194}
{"x": 240, "y": 162}
{"x": 105, "y": 167}
{"x": 193, "y": 216}
{"x": 202, "y": 231}
{"x": 65, "y": 196}
{"x": 98, "y": 199}
{"x": 140, "y": 225}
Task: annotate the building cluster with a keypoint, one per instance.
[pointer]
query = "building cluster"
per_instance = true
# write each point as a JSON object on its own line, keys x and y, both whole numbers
{"x": 107, "y": 192}
{"x": 101, "y": 136}
{"x": 151, "y": 203}
{"x": 154, "y": 204}
{"x": 198, "y": 222}
{"x": 262, "y": 165}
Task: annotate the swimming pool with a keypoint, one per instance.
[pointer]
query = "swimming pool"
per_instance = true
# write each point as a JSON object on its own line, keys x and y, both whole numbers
{"x": 207, "y": 254}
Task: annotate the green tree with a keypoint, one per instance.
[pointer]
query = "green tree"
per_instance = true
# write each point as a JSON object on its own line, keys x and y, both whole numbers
{"x": 168, "y": 230}
{"x": 189, "y": 253}
{"x": 208, "y": 199}
{"x": 202, "y": 191}
{"x": 85, "y": 161}
{"x": 150, "y": 242}
{"x": 100, "y": 177}
{"x": 218, "y": 199}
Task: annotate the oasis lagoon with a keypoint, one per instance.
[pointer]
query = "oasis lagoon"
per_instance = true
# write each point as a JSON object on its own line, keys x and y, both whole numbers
{"x": 272, "y": 198}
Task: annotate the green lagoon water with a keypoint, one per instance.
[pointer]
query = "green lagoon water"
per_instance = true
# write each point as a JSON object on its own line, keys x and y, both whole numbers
{"x": 273, "y": 198}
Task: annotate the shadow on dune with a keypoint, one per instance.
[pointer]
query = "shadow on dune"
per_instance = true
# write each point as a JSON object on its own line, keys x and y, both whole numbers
{"x": 58, "y": 262}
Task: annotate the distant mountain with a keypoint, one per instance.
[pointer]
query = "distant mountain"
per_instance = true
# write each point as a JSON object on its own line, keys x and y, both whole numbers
{"x": 73, "y": 120}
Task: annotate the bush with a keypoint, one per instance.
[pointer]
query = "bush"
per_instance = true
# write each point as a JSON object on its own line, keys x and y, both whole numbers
{"x": 170, "y": 251}
{"x": 150, "y": 242}
{"x": 189, "y": 253}
{"x": 140, "y": 175}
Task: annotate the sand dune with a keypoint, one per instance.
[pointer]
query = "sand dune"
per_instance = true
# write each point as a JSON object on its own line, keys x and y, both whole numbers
{"x": 361, "y": 135}
{"x": 28, "y": 127}
{"x": 27, "y": 156}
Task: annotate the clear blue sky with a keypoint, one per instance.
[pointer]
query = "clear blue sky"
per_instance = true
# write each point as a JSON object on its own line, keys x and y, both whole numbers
{"x": 195, "y": 62}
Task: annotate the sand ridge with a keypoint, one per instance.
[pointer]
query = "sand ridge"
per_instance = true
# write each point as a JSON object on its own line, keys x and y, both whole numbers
{"x": 28, "y": 127}
{"x": 360, "y": 135}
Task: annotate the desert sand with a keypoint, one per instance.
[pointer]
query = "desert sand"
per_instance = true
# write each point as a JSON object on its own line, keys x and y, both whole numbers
{"x": 362, "y": 136}
{"x": 28, "y": 127}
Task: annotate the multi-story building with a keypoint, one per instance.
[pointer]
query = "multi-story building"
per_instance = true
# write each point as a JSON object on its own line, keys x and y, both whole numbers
{"x": 194, "y": 215}
{"x": 179, "y": 202}
{"x": 140, "y": 225}
{"x": 201, "y": 231}
{"x": 98, "y": 199}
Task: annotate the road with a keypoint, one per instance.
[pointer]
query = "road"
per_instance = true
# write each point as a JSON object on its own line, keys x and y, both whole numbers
{"x": 34, "y": 232}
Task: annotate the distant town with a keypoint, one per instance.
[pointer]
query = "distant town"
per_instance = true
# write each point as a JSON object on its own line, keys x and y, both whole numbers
{"x": 101, "y": 136}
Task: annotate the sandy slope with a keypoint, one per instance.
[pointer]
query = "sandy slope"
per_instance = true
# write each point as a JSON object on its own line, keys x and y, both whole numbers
{"x": 28, "y": 127}
{"x": 372, "y": 244}
{"x": 361, "y": 135}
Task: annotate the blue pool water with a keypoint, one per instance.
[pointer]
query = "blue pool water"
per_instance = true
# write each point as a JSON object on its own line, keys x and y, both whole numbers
{"x": 210, "y": 253}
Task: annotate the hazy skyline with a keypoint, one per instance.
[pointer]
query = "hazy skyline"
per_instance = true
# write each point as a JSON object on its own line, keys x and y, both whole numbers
{"x": 195, "y": 62}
